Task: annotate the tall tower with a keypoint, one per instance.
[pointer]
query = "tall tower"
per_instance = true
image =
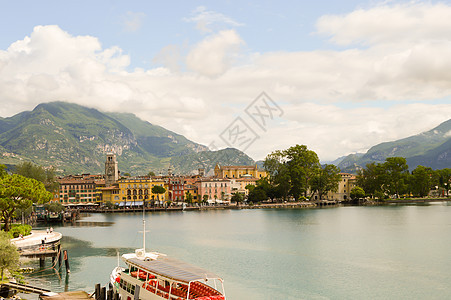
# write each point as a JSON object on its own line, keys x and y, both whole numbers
{"x": 111, "y": 171}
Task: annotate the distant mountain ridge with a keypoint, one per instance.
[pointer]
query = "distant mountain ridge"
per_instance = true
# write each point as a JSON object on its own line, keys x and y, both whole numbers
{"x": 430, "y": 149}
{"x": 75, "y": 139}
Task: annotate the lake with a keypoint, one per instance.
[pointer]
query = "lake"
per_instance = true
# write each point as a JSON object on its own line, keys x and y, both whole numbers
{"x": 380, "y": 252}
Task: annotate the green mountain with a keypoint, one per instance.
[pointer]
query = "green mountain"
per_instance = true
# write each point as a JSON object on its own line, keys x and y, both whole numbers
{"x": 431, "y": 149}
{"x": 75, "y": 139}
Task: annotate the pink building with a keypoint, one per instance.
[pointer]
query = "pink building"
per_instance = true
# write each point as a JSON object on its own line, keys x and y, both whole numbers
{"x": 214, "y": 188}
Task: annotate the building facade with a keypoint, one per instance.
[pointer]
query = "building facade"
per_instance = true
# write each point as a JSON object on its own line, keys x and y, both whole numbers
{"x": 346, "y": 184}
{"x": 77, "y": 189}
{"x": 213, "y": 189}
{"x": 111, "y": 170}
{"x": 238, "y": 171}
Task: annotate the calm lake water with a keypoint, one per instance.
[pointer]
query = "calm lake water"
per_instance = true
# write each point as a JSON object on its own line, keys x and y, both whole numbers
{"x": 391, "y": 252}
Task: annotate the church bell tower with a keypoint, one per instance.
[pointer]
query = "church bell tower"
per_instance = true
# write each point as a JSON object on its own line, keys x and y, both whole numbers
{"x": 111, "y": 171}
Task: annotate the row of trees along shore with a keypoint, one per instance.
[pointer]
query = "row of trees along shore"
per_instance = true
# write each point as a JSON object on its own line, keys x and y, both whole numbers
{"x": 295, "y": 172}
{"x": 393, "y": 179}
{"x": 18, "y": 192}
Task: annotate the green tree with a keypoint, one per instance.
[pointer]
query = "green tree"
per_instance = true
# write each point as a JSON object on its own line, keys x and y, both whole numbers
{"x": 302, "y": 166}
{"x": 157, "y": 189}
{"x": 150, "y": 174}
{"x": 250, "y": 187}
{"x": 17, "y": 191}
{"x": 324, "y": 180}
{"x": 9, "y": 256}
{"x": 421, "y": 181}
{"x": 357, "y": 193}
{"x": 371, "y": 179}
{"x": 55, "y": 207}
{"x": 258, "y": 194}
{"x": 44, "y": 175}
{"x": 395, "y": 176}
{"x": 189, "y": 197}
{"x": 237, "y": 198}
{"x": 444, "y": 178}
{"x": 204, "y": 198}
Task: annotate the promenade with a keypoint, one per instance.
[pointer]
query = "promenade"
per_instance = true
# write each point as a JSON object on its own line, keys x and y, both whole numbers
{"x": 36, "y": 238}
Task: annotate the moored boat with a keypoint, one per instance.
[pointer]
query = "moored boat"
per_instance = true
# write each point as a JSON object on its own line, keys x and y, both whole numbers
{"x": 153, "y": 275}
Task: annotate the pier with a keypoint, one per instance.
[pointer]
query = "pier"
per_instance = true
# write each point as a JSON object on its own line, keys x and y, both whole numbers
{"x": 40, "y": 244}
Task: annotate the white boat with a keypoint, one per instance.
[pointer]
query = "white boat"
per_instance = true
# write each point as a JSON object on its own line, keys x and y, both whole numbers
{"x": 153, "y": 275}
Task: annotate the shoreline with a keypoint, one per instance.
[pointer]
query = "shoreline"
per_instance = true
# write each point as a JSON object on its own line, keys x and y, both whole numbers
{"x": 305, "y": 204}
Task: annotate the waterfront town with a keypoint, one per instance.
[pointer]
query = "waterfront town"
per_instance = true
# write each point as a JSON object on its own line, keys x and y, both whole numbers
{"x": 126, "y": 191}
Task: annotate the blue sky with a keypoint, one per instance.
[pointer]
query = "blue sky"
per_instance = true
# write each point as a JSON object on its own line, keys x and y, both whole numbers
{"x": 346, "y": 75}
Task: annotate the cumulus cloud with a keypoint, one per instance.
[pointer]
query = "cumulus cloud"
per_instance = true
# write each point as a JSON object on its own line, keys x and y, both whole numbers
{"x": 389, "y": 24}
{"x": 336, "y": 101}
{"x": 215, "y": 54}
{"x": 207, "y": 20}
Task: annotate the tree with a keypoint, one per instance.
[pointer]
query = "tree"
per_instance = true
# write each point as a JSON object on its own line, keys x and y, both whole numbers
{"x": 237, "y": 198}
{"x": 370, "y": 179}
{"x": 17, "y": 191}
{"x": 421, "y": 181}
{"x": 150, "y": 174}
{"x": 257, "y": 195}
{"x": 324, "y": 180}
{"x": 189, "y": 197}
{"x": 395, "y": 175}
{"x": 444, "y": 177}
{"x": 44, "y": 175}
{"x": 9, "y": 256}
{"x": 55, "y": 207}
{"x": 290, "y": 170}
{"x": 157, "y": 189}
{"x": 302, "y": 165}
{"x": 205, "y": 198}
{"x": 250, "y": 187}
{"x": 357, "y": 193}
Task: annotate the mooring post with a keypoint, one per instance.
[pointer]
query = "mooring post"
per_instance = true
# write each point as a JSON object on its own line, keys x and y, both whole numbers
{"x": 109, "y": 295}
{"x": 97, "y": 291}
{"x": 59, "y": 256}
{"x": 102, "y": 293}
{"x": 66, "y": 261}
{"x": 42, "y": 262}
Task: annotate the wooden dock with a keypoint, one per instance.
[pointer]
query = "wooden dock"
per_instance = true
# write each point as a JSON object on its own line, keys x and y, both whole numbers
{"x": 25, "y": 288}
{"x": 75, "y": 295}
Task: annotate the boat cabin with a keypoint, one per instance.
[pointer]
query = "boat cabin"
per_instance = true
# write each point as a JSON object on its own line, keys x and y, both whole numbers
{"x": 169, "y": 279}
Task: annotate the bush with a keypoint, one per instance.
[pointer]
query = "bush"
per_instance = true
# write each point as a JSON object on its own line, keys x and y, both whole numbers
{"x": 17, "y": 229}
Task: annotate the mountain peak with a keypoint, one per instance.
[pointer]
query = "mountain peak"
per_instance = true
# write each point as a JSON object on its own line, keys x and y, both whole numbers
{"x": 430, "y": 149}
{"x": 75, "y": 139}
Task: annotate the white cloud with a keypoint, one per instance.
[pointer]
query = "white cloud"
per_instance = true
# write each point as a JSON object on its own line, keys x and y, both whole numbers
{"x": 206, "y": 20}
{"x": 335, "y": 102}
{"x": 215, "y": 54}
{"x": 389, "y": 24}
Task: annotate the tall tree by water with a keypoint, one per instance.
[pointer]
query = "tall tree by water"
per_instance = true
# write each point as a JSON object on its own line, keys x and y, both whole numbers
{"x": 19, "y": 192}
{"x": 46, "y": 176}
{"x": 157, "y": 189}
{"x": 324, "y": 180}
{"x": 290, "y": 170}
{"x": 302, "y": 165}
{"x": 396, "y": 172}
{"x": 371, "y": 179}
{"x": 421, "y": 181}
{"x": 9, "y": 256}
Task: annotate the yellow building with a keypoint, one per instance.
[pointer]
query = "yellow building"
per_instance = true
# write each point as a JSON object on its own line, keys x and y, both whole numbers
{"x": 238, "y": 171}
{"x": 134, "y": 191}
{"x": 346, "y": 184}
{"x": 239, "y": 184}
